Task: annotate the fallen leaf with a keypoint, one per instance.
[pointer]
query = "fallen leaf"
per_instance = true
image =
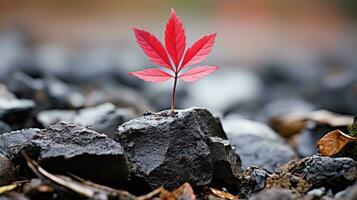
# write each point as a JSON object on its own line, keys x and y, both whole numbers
{"x": 333, "y": 142}
{"x": 184, "y": 192}
{"x": 7, "y": 188}
{"x": 222, "y": 194}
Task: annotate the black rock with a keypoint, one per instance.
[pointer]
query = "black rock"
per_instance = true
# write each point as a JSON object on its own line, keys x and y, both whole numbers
{"x": 11, "y": 143}
{"x": 7, "y": 171}
{"x": 12, "y": 109}
{"x": 257, "y": 144}
{"x": 62, "y": 95}
{"x": 75, "y": 149}
{"x": 5, "y": 93}
{"x": 334, "y": 173}
{"x": 4, "y": 127}
{"x": 226, "y": 163}
{"x": 166, "y": 150}
{"x": 274, "y": 194}
{"x": 25, "y": 86}
{"x": 104, "y": 118}
{"x": 252, "y": 180}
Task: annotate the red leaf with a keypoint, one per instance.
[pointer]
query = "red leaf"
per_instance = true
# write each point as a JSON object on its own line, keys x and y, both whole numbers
{"x": 197, "y": 73}
{"x": 199, "y": 50}
{"x": 175, "y": 38}
{"x": 152, "y": 48}
{"x": 152, "y": 75}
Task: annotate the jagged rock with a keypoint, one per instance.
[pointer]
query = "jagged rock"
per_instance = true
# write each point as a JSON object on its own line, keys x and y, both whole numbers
{"x": 104, "y": 118}
{"x": 226, "y": 163}
{"x": 71, "y": 147}
{"x": 320, "y": 171}
{"x": 4, "y": 127}
{"x": 15, "y": 112}
{"x": 5, "y": 93}
{"x": 46, "y": 91}
{"x": 11, "y": 143}
{"x": 25, "y": 86}
{"x": 274, "y": 194}
{"x": 257, "y": 144}
{"x": 7, "y": 171}
{"x": 62, "y": 95}
{"x": 10, "y": 109}
{"x": 166, "y": 150}
{"x": 252, "y": 180}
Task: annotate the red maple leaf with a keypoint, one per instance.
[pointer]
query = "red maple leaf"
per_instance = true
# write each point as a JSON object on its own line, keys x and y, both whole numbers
{"x": 175, "y": 43}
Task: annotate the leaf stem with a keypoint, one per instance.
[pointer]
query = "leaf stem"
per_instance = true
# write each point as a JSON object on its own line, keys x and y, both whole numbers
{"x": 173, "y": 94}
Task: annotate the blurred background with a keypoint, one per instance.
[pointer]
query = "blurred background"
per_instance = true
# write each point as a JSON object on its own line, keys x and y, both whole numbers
{"x": 275, "y": 55}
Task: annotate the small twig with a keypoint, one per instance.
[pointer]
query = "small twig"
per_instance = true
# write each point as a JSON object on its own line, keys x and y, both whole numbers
{"x": 151, "y": 194}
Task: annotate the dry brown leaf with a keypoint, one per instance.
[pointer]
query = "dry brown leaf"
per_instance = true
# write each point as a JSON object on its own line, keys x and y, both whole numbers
{"x": 184, "y": 192}
{"x": 222, "y": 194}
{"x": 333, "y": 142}
{"x": 167, "y": 195}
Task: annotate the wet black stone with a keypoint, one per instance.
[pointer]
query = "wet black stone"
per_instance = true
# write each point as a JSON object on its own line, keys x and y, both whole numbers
{"x": 226, "y": 163}
{"x": 11, "y": 143}
{"x": 62, "y": 95}
{"x": 252, "y": 180}
{"x": 8, "y": 172}
{"x": 25, "y": 86}
{"x": 257, "y": 144}
{"x": 166, "y": 150}
{"x": 67, "y": 148}
{"x": 4, "y": 127}
{"x": 12, "y": 109}
{"x": 334, "y": 173}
